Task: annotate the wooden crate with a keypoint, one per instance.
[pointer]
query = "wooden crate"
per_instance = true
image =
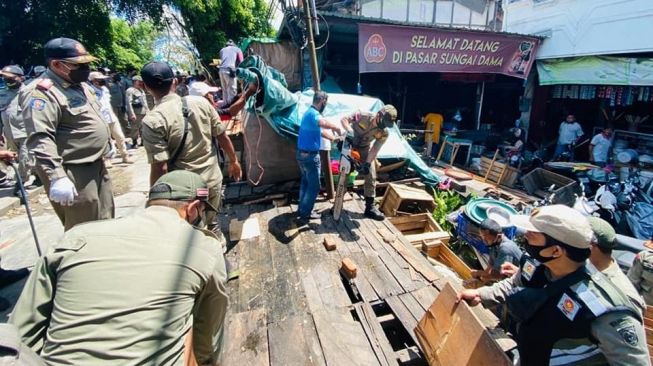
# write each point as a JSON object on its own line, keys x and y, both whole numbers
{"x": 406, "y": 199}
{"x": 451, "y": 334}
{"x": 509, "y": 176}
{"x": 539, "y": 180}
{"x": 419, "y": 227}
{"x": 444, "y": 254}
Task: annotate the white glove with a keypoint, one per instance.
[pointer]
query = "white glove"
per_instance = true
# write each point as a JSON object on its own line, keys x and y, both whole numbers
{"x": 63, "y": 191}
{"x": 112, "y": 150}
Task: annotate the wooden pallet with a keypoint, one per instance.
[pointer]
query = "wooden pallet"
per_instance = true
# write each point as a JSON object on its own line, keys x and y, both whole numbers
{"x": 420, "y": 224}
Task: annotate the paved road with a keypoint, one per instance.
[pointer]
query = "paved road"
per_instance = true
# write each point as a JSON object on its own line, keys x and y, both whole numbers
{"x": 17, "y": 249}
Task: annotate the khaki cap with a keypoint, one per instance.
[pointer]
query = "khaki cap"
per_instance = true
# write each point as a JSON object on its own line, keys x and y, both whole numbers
{"x": 604, "y": 233}
{"x": 559, "y": 222}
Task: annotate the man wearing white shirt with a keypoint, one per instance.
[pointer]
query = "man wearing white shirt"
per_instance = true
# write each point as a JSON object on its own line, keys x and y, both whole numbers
{"x": 600, "y": 147}
{"x": 98, "y": 82}
{"x": 570, "y": 131}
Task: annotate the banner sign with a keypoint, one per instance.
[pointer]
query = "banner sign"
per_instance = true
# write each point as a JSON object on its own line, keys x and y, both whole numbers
{"x": 390, "y": 48}
{"x": 596, "y": 70}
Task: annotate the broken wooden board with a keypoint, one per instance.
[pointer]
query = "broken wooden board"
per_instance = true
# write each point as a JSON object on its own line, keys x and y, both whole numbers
{"x": 246, "y": 340}
{"x": 447, "y": 325}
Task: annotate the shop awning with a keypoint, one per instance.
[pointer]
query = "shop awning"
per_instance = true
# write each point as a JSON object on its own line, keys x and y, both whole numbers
{"x": 596, "y": 70}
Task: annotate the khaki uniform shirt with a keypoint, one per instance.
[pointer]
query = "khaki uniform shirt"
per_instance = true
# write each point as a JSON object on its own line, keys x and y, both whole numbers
{"x": 605, "y": 329}
{"x": 364, "y": 132}
{"x": 621, "y": 281}
{"x": 125, "y": 292}
{"x": 132, "y": 95}
{"x": 641, "y": 275}
{"x": 11, "y": 114}
{"x": 63, "y": 123}
{"x": 163, "y": 129}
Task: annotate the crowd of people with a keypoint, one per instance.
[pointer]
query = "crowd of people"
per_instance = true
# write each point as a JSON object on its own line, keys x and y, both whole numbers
{"x": 149, "y": 288}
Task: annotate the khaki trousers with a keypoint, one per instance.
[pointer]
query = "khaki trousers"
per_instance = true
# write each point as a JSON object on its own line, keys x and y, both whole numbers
{"x": 135, "y": 131}
{"x": 369, "y": 188}
{"x": 119, "y": 136}
{"x": 95, "y": 195}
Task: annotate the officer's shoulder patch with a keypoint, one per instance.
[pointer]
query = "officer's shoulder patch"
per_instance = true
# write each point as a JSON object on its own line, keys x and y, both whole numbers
{"x": 568, "y": 306}
{"x": 528, "y": 269}
{"x": 37, "y": 104}
{"x": 626, "y": 330}
{"x": 73, "y": 244}
{"x": 44, "y": 84}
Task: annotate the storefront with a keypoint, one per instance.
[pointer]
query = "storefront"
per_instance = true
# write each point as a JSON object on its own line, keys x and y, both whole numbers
{"x": 600, "y": 91}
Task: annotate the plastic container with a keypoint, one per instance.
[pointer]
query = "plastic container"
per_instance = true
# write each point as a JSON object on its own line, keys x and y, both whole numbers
{"x": 627, "y": 156}
{"x": 350, "y": 178}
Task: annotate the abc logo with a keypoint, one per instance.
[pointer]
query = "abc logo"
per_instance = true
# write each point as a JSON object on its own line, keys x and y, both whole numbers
{"x": 375, "y": 50}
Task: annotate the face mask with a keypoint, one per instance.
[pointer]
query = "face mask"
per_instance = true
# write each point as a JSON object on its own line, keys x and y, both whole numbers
{"x": 199, "y": 220}
{"x": 11, "y": 83}
{"x": 322, "y": 108}
{"x": 80, "y": 74}
{"x": 534, "y": 252}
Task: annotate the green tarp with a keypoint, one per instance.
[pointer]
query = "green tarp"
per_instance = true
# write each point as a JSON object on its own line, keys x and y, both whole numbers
{"x": 283, "y": 110}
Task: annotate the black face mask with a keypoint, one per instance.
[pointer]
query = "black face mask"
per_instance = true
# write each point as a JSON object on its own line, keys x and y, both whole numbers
{"x": 80, "y": 74}
{"x": 11, "y": 83}
{"x": 198, "y": 222}
{"x": 534, "y": 252}
{"x": 322, "y": 108}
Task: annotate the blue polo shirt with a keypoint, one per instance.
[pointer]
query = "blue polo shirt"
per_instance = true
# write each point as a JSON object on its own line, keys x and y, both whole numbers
{"x": 309, "y": 131}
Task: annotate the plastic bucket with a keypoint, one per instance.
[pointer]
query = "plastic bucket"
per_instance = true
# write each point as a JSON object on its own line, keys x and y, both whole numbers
{"x": 627, "y": 156}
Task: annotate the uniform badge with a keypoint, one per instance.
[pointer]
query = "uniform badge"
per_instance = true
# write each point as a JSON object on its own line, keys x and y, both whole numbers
{"x": 568, "y": 306}
{"x": 528, "y": 269}
{"x": 37, "y": 104}
{"x": 627, "y": 331}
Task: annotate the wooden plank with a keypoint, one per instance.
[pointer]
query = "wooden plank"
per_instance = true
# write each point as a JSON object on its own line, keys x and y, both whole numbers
{"x": 375, "y": 334}
{"x": 429, "y": 235}
{"x": 343, "y": 340}
{"x": 255, "y": 271}
{"x": 404, "y": 315}
{"x": 412, "y": 305}
{"x": 285, "y": 295}
{"x": 302, "y": 348}
{"x": 246, "y": 340}
{"x": 447, "y": 325}
{"x": 425, "y": 296}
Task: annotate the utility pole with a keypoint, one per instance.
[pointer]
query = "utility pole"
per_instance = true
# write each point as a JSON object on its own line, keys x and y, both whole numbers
{"x": 325, "y": 155}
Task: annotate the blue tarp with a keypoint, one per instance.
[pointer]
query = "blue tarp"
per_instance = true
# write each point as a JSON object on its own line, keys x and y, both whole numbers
{"x": 283, "y": 111}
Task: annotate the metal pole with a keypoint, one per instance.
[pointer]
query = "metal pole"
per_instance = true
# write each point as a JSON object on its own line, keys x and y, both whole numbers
{"x": 479, "y": 104}
{"x": 311, "y": 46}
{"x": 316, "y": 28}
{"x": 23, "y": 193}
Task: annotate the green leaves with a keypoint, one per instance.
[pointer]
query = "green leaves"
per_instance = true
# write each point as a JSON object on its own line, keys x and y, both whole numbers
{"x": 445, "y": 203}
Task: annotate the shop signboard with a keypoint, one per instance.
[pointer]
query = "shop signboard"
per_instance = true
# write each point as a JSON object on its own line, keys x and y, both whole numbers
{"x": 390, "y": 48}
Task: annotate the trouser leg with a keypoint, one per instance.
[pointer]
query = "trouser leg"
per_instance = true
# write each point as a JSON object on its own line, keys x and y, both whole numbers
{"x": 369, "y": 188}
{"x": 117, "y": 134}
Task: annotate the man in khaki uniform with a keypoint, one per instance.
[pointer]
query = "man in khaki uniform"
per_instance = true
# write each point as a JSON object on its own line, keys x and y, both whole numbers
{"x": 11, "y": 120}
{"x": 368, "y": 127}
{"x": 641, "y": 273}
{"x": 137, "y": 108}
{"x": 128, "y": 291}
{"x": 556, "y": 299}
{"x": 163, "y": 135}
{"x": 68, "y": 136}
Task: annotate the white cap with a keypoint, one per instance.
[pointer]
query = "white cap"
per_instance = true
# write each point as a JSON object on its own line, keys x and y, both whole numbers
{"x": 96, "y": 75}
{"x": 200, "y": 89}
{"x": 559, "y": 222}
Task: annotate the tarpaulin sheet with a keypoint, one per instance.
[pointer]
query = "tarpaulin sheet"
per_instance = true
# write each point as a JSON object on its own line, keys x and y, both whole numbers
{"x": 283, "y": 111}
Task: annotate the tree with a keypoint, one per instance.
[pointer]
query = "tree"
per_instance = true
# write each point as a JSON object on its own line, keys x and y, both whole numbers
{"x": 131, "y": 44}
{"x": 25, "y": 26}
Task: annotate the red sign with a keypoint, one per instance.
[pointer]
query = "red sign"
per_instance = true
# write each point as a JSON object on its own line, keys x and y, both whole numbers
{"x": 390, "y": 48}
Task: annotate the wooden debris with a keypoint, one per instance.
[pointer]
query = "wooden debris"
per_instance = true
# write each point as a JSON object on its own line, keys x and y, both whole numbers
{"x": 397, "y": 195}
{"x": 329, "y": 243}
{"x": 448, "y": 325}
{"x": 267, "y": 198}
{"x": 349, "y": 268}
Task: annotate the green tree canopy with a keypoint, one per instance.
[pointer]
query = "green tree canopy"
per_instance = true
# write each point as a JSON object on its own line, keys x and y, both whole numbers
{"x": 25, "y": 25}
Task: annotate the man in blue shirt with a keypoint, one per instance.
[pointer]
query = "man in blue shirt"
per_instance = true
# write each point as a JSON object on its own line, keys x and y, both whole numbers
{"x": 501, "y": 250}
{"x": 308, "y": 154}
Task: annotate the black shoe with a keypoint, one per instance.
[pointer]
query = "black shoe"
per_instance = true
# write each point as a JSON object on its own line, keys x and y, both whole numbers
{"x": 7, "y": 184}
{"x": 371, "y": 211}
{"x": 37, "y": 182}
{"x": 302, "y": 221}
